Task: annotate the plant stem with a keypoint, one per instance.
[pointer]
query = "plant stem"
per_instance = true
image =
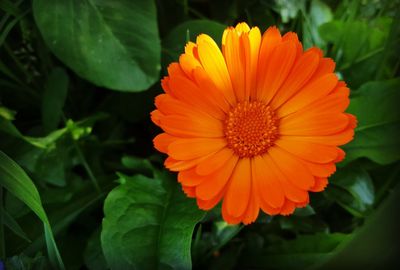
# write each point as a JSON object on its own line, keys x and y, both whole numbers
{"x": 83, "y": 160}
{"x": 86, "y": 166}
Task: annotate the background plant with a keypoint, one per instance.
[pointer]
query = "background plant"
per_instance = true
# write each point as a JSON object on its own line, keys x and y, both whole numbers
{"x": 81, "y": 186}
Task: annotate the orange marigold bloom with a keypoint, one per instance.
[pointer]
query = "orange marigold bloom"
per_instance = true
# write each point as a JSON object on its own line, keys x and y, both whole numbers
{"x": 257, "y": 125}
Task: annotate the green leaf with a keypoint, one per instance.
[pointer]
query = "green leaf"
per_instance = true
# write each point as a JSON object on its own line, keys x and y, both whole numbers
{"x": 305, "y": 211}
{"x": 319, "y": 14}
{"x": 18, "y": 183}
{"x": 53, "y": 98}
{"x": 13, "y": 225}
{"x": 352, "y": 188}
{"x": 303, "y": 252}
{"x": 174, "y": 42}
{"x": 137, "y": 164}
{"x": 358, "y": 47}
{"x": 23, "y": 262}
{"x": 113, "y": 44}
{"x": 7, "y": 114}
{"x": 94, "y": 257}
{"x": 148, "y": 224}
{"x": 376, "y": 107}
{"x": 77, "y": 129}
{"x": 375, "y": 243}
{"x": 289, "y": 9}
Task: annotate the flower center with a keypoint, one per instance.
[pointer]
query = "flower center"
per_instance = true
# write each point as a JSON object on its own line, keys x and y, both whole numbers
{"x": 251, "y": 128}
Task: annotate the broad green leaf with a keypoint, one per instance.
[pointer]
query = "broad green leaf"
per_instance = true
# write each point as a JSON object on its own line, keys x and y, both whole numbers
{"x": 375, "y": 243}
{"x": 352, "y": 188}
{"x": 113, "y": 44}
{"x": 358, "y": 47}
{"x": 53, "y": 98}
{"x": 174, "y": 43}
{"x": 148, "y": 224}
{"x": 17, "y": 182}
{"x": 376, "y": 107}
{"x": 350, "y": 38}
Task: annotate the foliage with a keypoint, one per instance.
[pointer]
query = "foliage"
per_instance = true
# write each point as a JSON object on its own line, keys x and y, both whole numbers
{"x": 77, "y": 84}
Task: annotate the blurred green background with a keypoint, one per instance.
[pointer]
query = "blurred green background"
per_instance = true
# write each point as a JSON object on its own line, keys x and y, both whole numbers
{"x": 81, "y": 186}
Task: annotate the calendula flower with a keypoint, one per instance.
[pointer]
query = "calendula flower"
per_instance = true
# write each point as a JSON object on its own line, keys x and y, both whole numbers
{"x": 256, "y": 125}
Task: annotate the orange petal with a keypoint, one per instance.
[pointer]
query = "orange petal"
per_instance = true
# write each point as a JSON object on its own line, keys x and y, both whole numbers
{"x": 162, "y": 141}
{"x": 335, "y": 102}
{"x": 184, "y": 126}
{"x": 215, "y": 162}
{"x": 209, "y": 204}
{"x": 156, "y": 117}
{"x": 320, "y": 170}
{"x": 340, "y": 155}
{"x": 189, "y": 191}
{"x": 268, "y": 209}
{"x": 267, "y": 185}
{"x": 309, "y": 124}
{"x": 239, "y": 189}
{"x": 228, "y": 217}
{"x": 242, "y": 28}
{"x": 214, "y": 64}
{"x": 309, "y": 93}
{"x": 190, "y": 178}
{"x": 298, "y": 77}
{"x": 165, "y": 85}
{"x": 190, "y": 49}
{"x": 184, "y": 149}
{"x": 303, "y": 204}
{"x": 292, "y": 168}
{"x": 168, "y": 105}
{"x": 181, "y": 165}
{"x": 270, "y": 39}
{"x": 251, "y": 43}
{"x": 352, "y": 121}
{"x": 313, "y": 152}
{"x": 188, "y": 92}
{"x": 174, "y": 69}
{"x": 291, "y": 192}
{"x": 292, "y": 36}
{"x": 252, "y": 210}
{"x": 277, "y": 70}
{"x": 339, "y": 138}
{"x": 214, "y": 95}
{"x": 326, "y": 66}
{"x": 288, "y": 208}
{"x": 216, "y": 181}
{"x": 235, "y": 62}
{"x": 188, "y": 63}
{"x": 320, "y": 184}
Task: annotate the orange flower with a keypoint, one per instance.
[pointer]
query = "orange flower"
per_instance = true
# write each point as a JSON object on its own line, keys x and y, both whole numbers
{"x": 257, "y": 125}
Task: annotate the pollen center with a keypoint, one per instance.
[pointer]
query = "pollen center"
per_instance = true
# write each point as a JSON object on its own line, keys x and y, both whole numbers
{"x": 251, "y": 128}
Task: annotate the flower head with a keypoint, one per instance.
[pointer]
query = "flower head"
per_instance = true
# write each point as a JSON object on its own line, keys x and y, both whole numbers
{"x": 256, "y": 125}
